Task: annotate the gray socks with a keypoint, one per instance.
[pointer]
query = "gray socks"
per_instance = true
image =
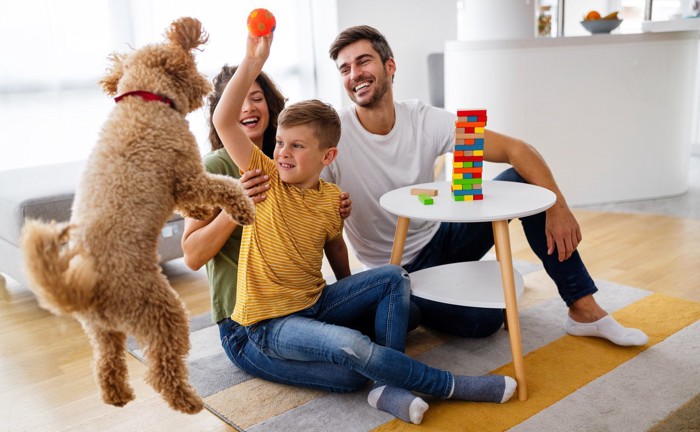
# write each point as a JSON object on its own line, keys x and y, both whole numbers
{"x": 488, "y": 388}
{"x": 400, "y": 403}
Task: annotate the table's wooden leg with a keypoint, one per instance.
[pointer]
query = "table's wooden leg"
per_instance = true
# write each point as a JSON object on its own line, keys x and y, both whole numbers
{"x": 502, "y": 240}
{"x": 399, "y": 240}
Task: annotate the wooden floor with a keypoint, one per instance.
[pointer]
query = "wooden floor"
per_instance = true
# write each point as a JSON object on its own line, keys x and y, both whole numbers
{"x": 46, "y": 381}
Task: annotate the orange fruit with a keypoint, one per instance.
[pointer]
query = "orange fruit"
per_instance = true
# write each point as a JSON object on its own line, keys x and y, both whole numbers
{"x": 592, "y": 15}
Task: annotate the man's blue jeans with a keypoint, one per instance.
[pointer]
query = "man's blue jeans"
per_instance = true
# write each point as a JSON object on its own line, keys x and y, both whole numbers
{"x": 314, "y": 348}
{"x": 460, "y": 242}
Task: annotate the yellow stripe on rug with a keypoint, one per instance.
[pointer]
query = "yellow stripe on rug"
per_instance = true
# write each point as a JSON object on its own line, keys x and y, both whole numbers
{"x": 256, "y": 400}
{"x": 559, "y": 369}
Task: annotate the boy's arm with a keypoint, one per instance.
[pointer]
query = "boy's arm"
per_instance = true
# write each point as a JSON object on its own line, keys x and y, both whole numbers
{"x": 337, "y": 254}
{"x": 227, "y": 113}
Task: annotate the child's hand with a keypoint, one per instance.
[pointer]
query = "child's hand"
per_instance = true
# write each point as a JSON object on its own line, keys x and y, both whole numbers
{"x": 258, "y": 48}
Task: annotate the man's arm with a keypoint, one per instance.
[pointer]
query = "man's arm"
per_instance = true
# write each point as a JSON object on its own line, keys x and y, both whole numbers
{"x": 562, "y": 229}
{"x": 228, "y": 110}
{"x": 337, "y": 254}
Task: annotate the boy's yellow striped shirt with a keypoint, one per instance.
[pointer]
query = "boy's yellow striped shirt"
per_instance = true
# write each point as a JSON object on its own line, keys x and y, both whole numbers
{"x": 281, "y": 253}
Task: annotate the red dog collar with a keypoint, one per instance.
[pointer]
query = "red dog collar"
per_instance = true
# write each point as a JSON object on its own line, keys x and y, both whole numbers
{"x": 145, "y": 95}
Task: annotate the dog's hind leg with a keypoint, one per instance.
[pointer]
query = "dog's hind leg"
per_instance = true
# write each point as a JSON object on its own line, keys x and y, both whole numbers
{"x": 110, "y": 365}
{"x": 168, "y": 344}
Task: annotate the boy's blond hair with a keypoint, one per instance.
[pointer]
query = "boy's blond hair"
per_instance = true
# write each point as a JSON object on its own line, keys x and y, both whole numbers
{"x": 319, "y": 116}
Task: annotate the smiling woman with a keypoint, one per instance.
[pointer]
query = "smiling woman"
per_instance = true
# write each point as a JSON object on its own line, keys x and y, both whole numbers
{"x": 51, "y": 107}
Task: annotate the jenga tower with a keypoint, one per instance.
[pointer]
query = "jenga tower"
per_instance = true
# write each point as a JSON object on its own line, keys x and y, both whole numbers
{"x": 468, "y": 160}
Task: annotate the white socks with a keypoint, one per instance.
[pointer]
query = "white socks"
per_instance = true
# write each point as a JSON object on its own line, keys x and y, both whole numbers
{"x": 607, "y": 328}
{"x": 400, "y": 403}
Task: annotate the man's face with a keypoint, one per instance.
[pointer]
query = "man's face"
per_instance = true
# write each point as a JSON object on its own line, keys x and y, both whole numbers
{"x": 365, "y": 78}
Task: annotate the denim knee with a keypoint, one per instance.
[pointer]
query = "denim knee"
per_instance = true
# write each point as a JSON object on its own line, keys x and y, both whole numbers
{"x": 510, "y": 175}
{"x": 353, "y": 346}
{"x": 399, "y": 278}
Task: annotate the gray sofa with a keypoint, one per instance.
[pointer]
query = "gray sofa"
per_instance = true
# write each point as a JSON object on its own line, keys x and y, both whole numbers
{"x": 46, "y": 192}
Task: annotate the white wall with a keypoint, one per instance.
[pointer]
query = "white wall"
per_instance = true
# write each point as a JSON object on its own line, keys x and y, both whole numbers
{"x": 414, "y": 28}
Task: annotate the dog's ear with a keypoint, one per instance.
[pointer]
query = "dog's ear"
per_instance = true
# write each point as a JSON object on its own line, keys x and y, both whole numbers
{"x": 111, "y": 79}
{"x": 187, "y": 33}
{"x": 199, "y": 88}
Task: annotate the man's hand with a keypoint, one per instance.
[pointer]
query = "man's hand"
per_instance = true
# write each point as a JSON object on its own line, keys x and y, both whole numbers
{"x": 255, "y": 184}
{"x": 563, "y": 231}
{"x": 345, "y": 205}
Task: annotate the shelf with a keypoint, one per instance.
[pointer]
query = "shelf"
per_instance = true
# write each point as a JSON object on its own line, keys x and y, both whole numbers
{"x": 680, "y": 24}
{"x": 473, "y": 283}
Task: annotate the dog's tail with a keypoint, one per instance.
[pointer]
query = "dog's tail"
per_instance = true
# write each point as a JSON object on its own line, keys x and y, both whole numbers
{"x": 61, "y": 277}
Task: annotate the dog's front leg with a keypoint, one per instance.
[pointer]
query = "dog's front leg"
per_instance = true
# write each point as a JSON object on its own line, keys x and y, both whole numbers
{"x": 221, "y": 191}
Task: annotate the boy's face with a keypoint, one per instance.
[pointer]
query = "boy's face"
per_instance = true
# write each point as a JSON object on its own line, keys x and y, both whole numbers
{"x": 365, "y": 78}
{"x": 298, "y": 156}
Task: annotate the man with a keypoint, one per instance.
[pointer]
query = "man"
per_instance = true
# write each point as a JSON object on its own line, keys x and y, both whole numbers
{"x": 388, "y": 144}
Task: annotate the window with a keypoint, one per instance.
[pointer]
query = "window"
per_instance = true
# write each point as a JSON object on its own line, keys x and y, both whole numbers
{"x": 51, "y": 106}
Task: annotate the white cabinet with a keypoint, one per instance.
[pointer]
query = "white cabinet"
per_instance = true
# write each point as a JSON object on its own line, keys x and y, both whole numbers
{"x": 611, "y": 114}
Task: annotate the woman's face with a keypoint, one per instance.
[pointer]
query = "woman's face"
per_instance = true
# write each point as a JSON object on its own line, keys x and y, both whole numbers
{"x": 255, "y": 117}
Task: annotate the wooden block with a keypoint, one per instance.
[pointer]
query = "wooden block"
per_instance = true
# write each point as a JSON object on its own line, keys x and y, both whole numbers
{"x": 466, "y": 192}
{"x": 419, "y": 191}
{"x": 472, "y": 181}
{"x": 469, "y": 135}
{"x": 469, "y": 159}
{"x": 425, "y": 199}
{"x": 471, "y": 112}
{"x": 478, "y": 121}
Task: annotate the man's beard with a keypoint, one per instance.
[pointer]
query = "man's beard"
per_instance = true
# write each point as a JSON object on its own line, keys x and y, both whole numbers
{"x": 382, "y": 87}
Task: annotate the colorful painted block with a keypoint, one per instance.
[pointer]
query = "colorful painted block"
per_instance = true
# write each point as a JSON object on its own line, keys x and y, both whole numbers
{"x": 425, "y": 199}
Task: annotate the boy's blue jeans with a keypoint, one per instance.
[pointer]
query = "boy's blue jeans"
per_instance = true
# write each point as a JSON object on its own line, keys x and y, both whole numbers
{"x": 460, "y": 242}
{"x": 314, "y": 348}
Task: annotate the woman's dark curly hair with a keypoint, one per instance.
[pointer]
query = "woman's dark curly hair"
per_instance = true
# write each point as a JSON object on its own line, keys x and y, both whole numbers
{"x": 275, "y": 104}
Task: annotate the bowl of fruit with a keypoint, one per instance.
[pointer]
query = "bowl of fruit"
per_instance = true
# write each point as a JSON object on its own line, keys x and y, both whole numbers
{"x": 595, "y": 23}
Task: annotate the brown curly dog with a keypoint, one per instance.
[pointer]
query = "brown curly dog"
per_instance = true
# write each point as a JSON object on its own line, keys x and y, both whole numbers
{"x": 102, "y": 267}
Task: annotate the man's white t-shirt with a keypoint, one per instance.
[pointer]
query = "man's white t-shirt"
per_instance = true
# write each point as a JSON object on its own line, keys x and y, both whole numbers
{"x": 370, "y": 165}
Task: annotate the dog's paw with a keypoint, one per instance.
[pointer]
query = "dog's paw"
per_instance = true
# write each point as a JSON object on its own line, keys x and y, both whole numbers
{"x": 118, "y": 395}
{"x": 186, "y": 400}
{"x": 241, "y": 211}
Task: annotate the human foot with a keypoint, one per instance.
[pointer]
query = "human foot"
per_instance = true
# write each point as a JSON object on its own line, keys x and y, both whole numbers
{"x": 398, "y": 402}
{"x": 607, "y": 328}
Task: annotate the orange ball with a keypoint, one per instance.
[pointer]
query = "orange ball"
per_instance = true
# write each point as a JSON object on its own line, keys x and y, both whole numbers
{"x": 261, "y": 22}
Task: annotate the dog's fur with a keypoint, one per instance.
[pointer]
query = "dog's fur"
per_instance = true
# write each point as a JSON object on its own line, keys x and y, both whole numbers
{"x": 102, "y": 267}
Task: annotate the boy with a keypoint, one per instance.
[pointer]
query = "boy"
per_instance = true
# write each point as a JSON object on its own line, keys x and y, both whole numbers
{"x": 282, "y": 300}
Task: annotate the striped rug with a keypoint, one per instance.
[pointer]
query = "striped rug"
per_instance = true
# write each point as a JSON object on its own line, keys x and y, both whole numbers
{"x": 575, "y": 384}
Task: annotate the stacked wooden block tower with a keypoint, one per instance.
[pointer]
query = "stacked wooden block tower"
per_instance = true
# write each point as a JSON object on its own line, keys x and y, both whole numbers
{"x": 468, "y": 160}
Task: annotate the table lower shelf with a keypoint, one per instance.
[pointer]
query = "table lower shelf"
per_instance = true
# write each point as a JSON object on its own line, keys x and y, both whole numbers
{"x": 473, "y": 283}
